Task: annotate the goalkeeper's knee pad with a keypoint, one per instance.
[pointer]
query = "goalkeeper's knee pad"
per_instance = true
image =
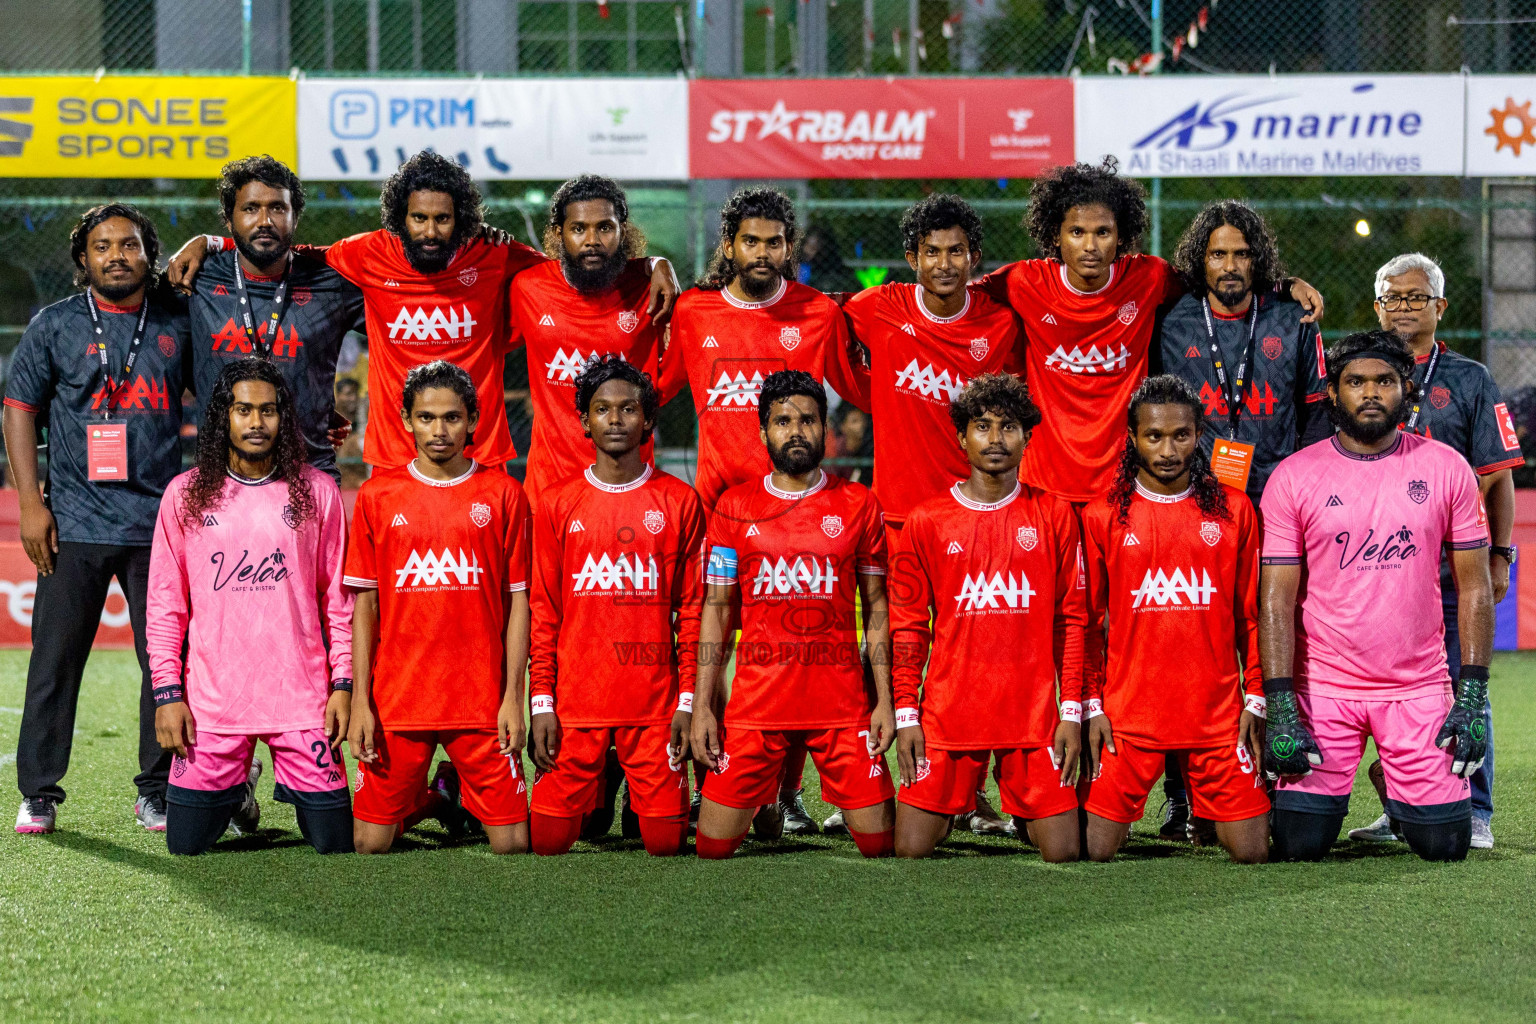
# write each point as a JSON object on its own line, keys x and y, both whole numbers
{"x": 1445, "y": 841}
{"x": 1302, "y": 835}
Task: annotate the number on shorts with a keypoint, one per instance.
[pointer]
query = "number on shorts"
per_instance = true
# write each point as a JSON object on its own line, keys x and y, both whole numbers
{"x": 1244, "y": 761}
{"x": 321, "y": 748}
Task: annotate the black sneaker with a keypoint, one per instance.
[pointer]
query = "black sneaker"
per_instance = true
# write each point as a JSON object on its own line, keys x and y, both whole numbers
{"x": 768, "y": 822}
{"x": 600, "y": 820}
{"x": 1175, "y": 824}
{"x": 452, "y": 816}
{"x": 797, "y": 822}
{"x": 1202, "y": 831}
{"x": 693, "y": 812}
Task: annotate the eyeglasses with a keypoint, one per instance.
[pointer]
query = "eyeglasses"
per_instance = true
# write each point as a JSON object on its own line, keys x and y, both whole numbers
{"x": 1413, "y": 303}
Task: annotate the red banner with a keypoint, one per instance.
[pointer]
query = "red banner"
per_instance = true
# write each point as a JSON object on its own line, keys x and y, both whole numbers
{"x": 18, "y": 587}
{"x": 879, "y": 127}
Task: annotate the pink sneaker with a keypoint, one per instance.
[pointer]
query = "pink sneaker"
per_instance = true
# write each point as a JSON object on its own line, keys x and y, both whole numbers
{"x": 149, "y": 811}
{"x": 37, "y": 815}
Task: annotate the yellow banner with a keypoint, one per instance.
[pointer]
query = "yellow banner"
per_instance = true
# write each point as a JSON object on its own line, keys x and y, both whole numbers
{"x": 142, "y": 127}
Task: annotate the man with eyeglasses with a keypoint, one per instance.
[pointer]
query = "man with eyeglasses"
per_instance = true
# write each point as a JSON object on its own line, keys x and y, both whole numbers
{"x": 1455, "y": 402}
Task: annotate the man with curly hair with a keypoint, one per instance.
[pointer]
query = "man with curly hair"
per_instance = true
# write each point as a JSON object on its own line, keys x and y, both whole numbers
{"x": 248, "y": 549}
{"x": 1171, "y": 559}
{"x": 103, "y": 371}
{"x": 1089, "y": 306}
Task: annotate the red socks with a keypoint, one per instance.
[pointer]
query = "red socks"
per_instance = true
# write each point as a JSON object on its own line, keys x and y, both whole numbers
{"x": 664, "y": 836}
{"x": 551, "y": 836}
{"x": 716, "y": 849}
{"x": 875, "y": 844}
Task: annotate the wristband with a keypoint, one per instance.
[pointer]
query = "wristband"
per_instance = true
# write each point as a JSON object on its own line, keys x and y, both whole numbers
{"x": 543, "y": 704}
{"x": 342, "y": 685}
{"x": 168, "y": 695}
{"x": 1476, "y": 673}
{"x": 1255, "y": 705}
{"x": 1071, "y": 711}
{"x": 215, "y": 242}
{"x": 1093, "y": 708}
{"x": 906, "y": 718}
{"x": 685, "y": 701}
{"x": 1279, "y": 684}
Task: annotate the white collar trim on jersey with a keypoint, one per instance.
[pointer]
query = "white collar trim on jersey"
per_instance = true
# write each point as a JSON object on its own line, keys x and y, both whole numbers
{"x": 943, "y": 319}
{"x": 761, "y": 304}
{"x": 795, "y": 495}
{"x": 981, "y": 506}
{"x": 619, "y": 488}
{"x": 249, "y": 481}
{"x": 1164, "y": 499}
{"x": 1097, "y": 291}
{"x": 473, "y": 465}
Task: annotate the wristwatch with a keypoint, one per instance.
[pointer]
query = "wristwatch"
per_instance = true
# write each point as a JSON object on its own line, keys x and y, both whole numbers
{"x": 1509, "y": 554}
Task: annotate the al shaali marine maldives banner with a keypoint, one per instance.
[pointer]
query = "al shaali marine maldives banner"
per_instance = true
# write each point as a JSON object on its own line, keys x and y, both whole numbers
{"x": 522, "y": 128}
{"x": 1206, "y": 126}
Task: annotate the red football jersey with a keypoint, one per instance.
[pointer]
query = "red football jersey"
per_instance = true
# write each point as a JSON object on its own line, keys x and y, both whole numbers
{"x": 618, "y": 586}
{"x": 722, "y": 348}
{"x": 443, "y": 556}
{"x": 459, "y": 315}
{"x": 995, "y": 588}
{"x": 797, "y": 660}
{"x": 1180, "y": 590}
{"x": 563, "y": 329}
{"x": 918, "y": 364}
{"x": 1084, "y": 353}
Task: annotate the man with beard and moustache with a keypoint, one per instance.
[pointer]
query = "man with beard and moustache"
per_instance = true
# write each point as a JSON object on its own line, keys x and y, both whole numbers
{"x": 1459, "y": 405}
{"x": 261, "y": 298}
{"x": 252, "y": 534}
{"x": 1232, "y": 331}
{"x": 434, "y": 287}
{"x": 806, "y": 545}
{"x": 588, "y": 301}
{"x": 103, "y": 370}
{"x": 1364, "y": 517}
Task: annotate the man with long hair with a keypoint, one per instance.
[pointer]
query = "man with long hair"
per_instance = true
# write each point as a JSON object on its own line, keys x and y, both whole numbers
{"x": 248, "y": 549}
{"x": 1171, "y": 560}
{"x": 102, "y": 370}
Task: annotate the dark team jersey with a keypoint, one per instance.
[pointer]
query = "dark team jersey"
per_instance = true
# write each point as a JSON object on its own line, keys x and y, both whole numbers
{"x": 56, "y": 373}
{"x": 322, "y": 307}
{"x": 1287, "y": 377}
{"x": 1463, "y": 408}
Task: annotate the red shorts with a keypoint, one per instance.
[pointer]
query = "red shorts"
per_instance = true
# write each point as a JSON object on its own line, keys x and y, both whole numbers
{"x": 394, "y": 787}
{"x": 575, "y": 785}
{"x": 749, "y": 768}
{"x": 1222, "y": 783}
{"x": 1028, "y": 782}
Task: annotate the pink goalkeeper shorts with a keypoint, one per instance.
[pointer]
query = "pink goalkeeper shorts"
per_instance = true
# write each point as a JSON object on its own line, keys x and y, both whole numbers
{"x": 302, "y": 762}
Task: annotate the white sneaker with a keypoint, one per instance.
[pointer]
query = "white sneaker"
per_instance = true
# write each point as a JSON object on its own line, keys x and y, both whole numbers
{"x": 834, "y": 825}
{"x": 36, "y": 816}
{"x": 1482, "y": 833}
{"x": 1378, "y": 831}
{"x": 248, "y": 815}
{"x": 149, "y": 811}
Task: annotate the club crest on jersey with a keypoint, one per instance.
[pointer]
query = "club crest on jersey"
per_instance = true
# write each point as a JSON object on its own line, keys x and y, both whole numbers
{"x": 1210, "y": 532}
{"x": 289, "y": 519}
{"x": 628, "y": 320}
{"x": 1028, "y": 537}
{"x": 654, "y": 520}
{"x": 1439, "y": 397}
{"x": 1418, "y": 490}
{"x": 1127, "y": 313}
{"x": 831, "y": 525}
{"x": 722, "y": 763}
{"x": 789, "y": 337}
{"x": 359, "y": 787}
{"x": 301, "y": 296}
{"x": 979, "y": 347}
{"x": 468, "y": 276}
{"x": 166, "y": 344}
{"x": 924, "y": 769}
{"x": 479, "y": 513}
{"x": 1271, "y": 348}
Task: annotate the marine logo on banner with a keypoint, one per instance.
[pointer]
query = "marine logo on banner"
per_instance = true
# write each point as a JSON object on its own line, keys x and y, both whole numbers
{"x": 832, "y": 525}
{"x": 167, "y": 344}
{"x": 789, "y": 337}
{"x": 628, "y": 321}
{"x": 1127, "y": 313}
{"x": 1439, "y": 397}
{"x": 468, "y": 276}
{"x": 1272, "y": 347}
{"x": 301, "y": 296}
{"x": 1028, "y": 537}
{"x": 1418, "y": 490}
{"x": 1210, "y": 532}
{"x": 979, "y": 348}
{"x": 654, "y": 520}
{"x": 479, "y": 513}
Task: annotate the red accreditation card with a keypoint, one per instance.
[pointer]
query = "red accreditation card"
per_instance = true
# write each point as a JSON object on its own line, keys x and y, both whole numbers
{"x": 1232, "y": 461}
{"x": 106, "y": 451}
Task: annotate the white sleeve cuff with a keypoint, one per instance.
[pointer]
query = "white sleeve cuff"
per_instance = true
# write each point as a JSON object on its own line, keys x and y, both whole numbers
{"x": 1071, "y": 711}
{"x": 215, "y": 243}
{"x": 543, "y": 704}
{"x": 1093, "y": 709}
{"x": 906, "y": 718}
{"x": 685, "y": 701}
{"x": 1255, "y": 705}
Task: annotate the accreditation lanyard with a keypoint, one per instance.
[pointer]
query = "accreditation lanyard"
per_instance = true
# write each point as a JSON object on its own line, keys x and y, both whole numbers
{"x": 114, "y": 386}
{"x": 1234, "y": 397}
{"x": 1429, "y": 375}
{"x": 279, "y": 307}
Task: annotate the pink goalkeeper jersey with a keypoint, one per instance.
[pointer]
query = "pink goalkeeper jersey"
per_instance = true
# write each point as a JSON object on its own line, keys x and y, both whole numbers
{"x": 1369, "y": 531}
{"x": 261, "y": 605}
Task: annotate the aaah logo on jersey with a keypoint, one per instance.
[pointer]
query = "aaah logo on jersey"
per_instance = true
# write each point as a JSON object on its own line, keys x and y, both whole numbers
{"x": 439, "y": 569}
{"x": 805, "y": 575}
{"x": 433, "y": 325}
{"x": 1027, "y": 537}
{"x": 654, "y": 521}
{"x": 479, "y": 513}
{"x": 1175, "y": 590}
{"x": 980, "y": 593}
{"x": 789, "y": 337}
{"x": 623, "y": 573}
{"x": 736, "y": 391}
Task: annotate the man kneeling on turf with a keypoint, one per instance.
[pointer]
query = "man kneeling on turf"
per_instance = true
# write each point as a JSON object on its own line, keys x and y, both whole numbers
{"x": 800, "y": 537}
{"x": 439, "y": 557}
{"x": 1171, "y": 558}
{"x": 245, "y": 577}
{"x": 993, "y": 565}
{"x": 617, "y": 590}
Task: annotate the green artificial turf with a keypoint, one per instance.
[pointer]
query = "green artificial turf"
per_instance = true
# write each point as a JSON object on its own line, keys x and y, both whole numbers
{"x": 98, "y": 923}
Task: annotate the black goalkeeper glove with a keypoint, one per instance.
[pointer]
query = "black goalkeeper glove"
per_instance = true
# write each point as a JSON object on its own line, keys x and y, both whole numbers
{"x": 1464, "y": 724}
{"x": 1288, "y": 747}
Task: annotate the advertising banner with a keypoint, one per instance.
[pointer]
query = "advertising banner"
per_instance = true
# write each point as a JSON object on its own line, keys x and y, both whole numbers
{"x": 140, "y": 127}
{"x": 18, "y": 588}
{"x": 1501, "y": 130}
{"x": 879, "y": 128}
{"x": 1197, "y": 126}
{"x": 362, "y": 128}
